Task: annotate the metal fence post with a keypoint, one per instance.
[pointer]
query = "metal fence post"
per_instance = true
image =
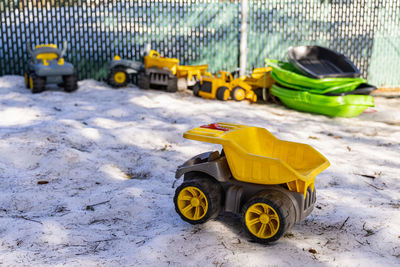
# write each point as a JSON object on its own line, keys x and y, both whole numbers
{"x": 243, "y": 36}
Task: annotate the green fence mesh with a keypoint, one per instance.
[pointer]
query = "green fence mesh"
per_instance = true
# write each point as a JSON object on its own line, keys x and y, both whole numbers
{"x": 202, "y": 31}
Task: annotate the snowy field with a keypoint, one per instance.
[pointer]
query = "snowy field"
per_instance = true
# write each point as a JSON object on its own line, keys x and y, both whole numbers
{"x": 86, "y": 180}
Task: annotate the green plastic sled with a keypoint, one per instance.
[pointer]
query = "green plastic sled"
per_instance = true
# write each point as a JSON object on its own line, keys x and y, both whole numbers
{"x": 333, "y": 106}
{"x": 285, "y": 74}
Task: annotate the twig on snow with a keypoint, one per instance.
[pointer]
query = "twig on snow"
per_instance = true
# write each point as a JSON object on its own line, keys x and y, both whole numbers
{"x": 91, "y": 207}
{"x": 100, "y": 203}
{"x": 222, "y": 243}
{"x": 345, "y": 221}
{"x": 104, "y": 240}
{"x": 26, "y": 218}
{"x": 366, "y": 176}
{"x": 377, "y": 188}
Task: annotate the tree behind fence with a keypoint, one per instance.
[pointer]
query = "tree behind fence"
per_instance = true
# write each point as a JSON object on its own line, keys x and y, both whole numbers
{"x": 203, "y": 31}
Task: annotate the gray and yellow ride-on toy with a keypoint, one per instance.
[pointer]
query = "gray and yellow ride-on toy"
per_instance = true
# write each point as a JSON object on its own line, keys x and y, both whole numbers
{"x": 47, "y": 66}
{"x": 269, "y": 182}
{"x": 122, "y": 71}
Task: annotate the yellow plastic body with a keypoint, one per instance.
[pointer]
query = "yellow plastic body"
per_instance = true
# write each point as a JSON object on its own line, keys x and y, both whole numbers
{"x": 260, "y": 78}
{"x": 61, "y": 62}
{"x": 225, "y": 79}
{"x": 191, "y": 72}
{"x": 154, "y": 59}
{"x": 256, "y": 156}
{"x": 46, "y": 45}
{"x": 221, "y": 79}
{"x": 46, "y": 57}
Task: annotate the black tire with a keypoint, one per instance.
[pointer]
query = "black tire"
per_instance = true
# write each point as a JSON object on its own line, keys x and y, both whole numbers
{"x": 261, "y": 94}
{"x": 27, "y": 74}
{"x": 236, "y": 93}
{"x": 70, "y": 83}
{"x": 37, "y": 83}
{"x": 212, "y": 192}
{"x": 284, "y": 209}
{"x": 143, "y": 81}
{"x": 221, "y": 93}
{"x": 118, "y": 77}
{"x": 196, "y": 89}
{"x": 172, "y": 85}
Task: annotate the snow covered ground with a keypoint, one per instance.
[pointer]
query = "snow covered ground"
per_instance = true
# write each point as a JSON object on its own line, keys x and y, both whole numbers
{"x": 109, "y": 158}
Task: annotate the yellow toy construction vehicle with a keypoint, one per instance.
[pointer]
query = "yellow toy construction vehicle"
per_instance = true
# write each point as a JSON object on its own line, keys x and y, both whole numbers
{"x": 161, "y": 72}
{"x": 268, "y": 181}
{"x": 223, "y": 86}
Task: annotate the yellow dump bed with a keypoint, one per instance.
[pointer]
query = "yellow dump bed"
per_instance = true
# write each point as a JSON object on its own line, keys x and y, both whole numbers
{"x": 260, "y": 78}
{"x": 256, "y": 156}
{"x": 154, "y": 59}
{"x": 191, "y": 71}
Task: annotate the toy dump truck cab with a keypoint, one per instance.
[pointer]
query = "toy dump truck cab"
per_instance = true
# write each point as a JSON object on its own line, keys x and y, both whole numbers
{"x": 224, "y": 86}
{"x": 268, "y": 181}
{"x": 121, "y": 71}
{"x": 159, "y": 72}
{"x": 47, "y": 66}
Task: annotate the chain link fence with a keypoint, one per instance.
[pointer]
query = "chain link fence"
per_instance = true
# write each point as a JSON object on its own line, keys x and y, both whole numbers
{"x": 203, "y": 31}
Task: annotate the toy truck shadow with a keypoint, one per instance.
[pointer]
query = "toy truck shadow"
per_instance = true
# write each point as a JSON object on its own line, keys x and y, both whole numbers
{"x": 269, "y": 182}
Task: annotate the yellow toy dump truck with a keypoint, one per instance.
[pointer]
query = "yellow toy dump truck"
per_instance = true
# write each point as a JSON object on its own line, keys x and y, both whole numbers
{"x": 260, "y": 81}
{"x": 268, "y": 181}
{"x": 161, "y": 72}
{"x": 223, "y": 86}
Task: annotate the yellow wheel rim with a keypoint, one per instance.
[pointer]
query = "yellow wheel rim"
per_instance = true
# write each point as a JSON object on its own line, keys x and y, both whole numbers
{"x": 192, "y": 203}
{"x": 30, "y": 83}
{"x": 239, "y": 94}
{"x": 120, "y": 77}
{"x": 226, "y": 95}
{"x": 262, "y": 220}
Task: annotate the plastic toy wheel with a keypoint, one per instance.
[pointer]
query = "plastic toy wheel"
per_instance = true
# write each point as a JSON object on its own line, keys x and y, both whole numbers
{"x": 36, "y": 83}
{"x": 267, "y": 216}
{"x": 238, "y": 93}
{"x": 118, "y": 77}
{"x": 143, "y": 81}
{"x": 196, "y": 89}
{"x": 172, "y": 85}
{"x": 198, "y": 200}
{"x": 26, "y": 76}
{"x": 223, "y": 93}
{"x": 70, "y": 83}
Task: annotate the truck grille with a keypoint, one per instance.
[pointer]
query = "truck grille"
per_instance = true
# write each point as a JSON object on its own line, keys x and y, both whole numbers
{"x": 310, "y": 198}
{"x": 206, "y": 87}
